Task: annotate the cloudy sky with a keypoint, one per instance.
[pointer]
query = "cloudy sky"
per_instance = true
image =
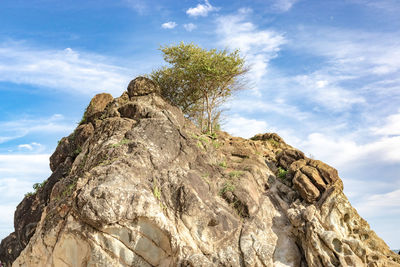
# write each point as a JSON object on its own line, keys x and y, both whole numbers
{"x": 325, "y": 75}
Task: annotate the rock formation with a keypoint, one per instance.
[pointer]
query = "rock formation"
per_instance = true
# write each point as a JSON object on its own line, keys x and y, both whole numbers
{"x": 137, "y": 184}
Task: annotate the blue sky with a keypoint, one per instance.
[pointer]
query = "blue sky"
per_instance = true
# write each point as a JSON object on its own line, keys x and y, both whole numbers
{"x": 324, "y": 75}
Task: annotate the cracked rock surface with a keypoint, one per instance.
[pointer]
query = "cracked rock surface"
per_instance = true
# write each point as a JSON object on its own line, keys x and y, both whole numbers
{"x": 137, "y": 184}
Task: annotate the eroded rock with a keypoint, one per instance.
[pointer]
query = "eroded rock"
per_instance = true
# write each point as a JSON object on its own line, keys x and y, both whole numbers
{"x": 142, "y": 86}
{"x": 139, "y": 185}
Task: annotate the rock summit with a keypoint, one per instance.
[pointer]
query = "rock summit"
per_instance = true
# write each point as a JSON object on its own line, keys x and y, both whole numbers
{"x": 137, "y": 184}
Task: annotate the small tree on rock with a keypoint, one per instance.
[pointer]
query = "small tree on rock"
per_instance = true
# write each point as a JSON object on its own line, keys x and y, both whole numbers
{"x": 199, "y": 80}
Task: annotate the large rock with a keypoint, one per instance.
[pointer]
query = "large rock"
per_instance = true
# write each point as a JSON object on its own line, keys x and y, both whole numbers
{"x": 141, "y": 186}
{"x": 142, "y": 86}
{"x": 97, "y": 106}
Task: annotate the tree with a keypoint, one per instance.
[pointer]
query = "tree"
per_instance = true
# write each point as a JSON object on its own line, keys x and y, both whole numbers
{"x": 199, "y": 80}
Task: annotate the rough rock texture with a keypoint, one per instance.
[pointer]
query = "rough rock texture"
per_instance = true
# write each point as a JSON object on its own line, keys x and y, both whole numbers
{"x": 142, "y": 86}
{"x": 139, "y": 185}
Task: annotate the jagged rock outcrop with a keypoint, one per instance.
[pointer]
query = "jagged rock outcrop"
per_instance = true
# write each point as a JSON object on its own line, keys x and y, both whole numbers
{"x": 137, "y": 184}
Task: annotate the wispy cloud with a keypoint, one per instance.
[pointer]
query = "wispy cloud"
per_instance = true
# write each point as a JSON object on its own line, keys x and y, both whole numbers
{"x": 32, "y": 147}
{"x": 283, "y": 5}
{"x": 386, "y": 5}
{"x": 325, "y": 91}
{"x": 390, "y": 127}
{"x": 66, "y": 69}
{"x": 10, "y": 130}
{"x": 258, "y": 45}
{"x": 346, "y": 153}
{"x": 201, "y": 9}
{"x": 352, "y": 52}
{"x": 381, "y": 204}
{"x": 139, "y": 6}
{"x": 169, "y": 25}
{"x": 189, "y": 27}
{"x": 24, "y": 167}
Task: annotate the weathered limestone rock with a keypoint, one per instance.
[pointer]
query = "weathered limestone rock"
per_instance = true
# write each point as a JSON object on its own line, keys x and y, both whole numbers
{"x": 142, "y": 86}
{"x": 97, "y": 106}
{"x": 139, "y": 185}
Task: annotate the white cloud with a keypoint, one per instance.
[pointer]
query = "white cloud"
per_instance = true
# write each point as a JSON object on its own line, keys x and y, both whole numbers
{"x": 326, "y": 92}
{"x": 65, "y": 70}
{"x": 26, "y": 146}
{"x": 381, "y": 204}
{"x": 279, "y": 107}
{"x": 32, "y": 146}
{"x": 169, "y": 25}
{"x": 258, "y": 46}
{"x": 201, "y": 9}
{"x": 6, "y": 219}
{"x": 353, "y": 53}
{"x": 189, "y": 27}
{"x": 344, "y": 153}
{"x": 17, "y": 175}
{"x": 391, "y": 126}
{"x": 24, "y": 166}
{"x": 283, "y": 5}
{"x": 10, "y": 130}
{"x": 240, "y": 126}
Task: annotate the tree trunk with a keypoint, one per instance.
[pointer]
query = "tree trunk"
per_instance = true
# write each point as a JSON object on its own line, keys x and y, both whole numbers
{"x": 202, "y": 117}
{"x": 209, "y": 114}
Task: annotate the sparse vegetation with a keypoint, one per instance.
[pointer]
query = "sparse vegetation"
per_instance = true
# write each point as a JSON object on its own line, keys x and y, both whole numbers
{"x": 36, "y": 187}
{"x": 69, "y": 189}
{"x": 235, "y": 174}
{"x": 273, "y": 142}
{"x": 121, "y": 143}
{"x": 228, "y": 187}
{"x": 205, "y": 177}
{"x": 84, "y": 117}
{"x": 222, "y": 164}
{"x": 156, "y": 191}
{"x": 216, "y": 144}
{"x": 282, "y": 173}
{"x": 107, "y": 161}
{"x": 77, "y": 151}
{"x": 199, "y": 144}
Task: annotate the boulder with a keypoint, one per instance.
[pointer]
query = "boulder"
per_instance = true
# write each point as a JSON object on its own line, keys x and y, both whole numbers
{"x": 142, "y": 86}
{"x": 97, "y": 106}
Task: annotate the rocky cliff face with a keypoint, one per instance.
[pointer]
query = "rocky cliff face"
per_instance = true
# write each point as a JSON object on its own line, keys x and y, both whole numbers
{"x": 136, "y": 184}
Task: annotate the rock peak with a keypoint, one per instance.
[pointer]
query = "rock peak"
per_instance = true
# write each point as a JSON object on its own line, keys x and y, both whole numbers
{"x": 137, "y": 184}
{"x": 141, "y": 86}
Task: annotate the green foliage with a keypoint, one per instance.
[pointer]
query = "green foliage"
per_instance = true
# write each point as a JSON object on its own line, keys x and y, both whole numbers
{"x": 199, "y": 80}
{"x": 69, "y": 189}
{"x": 235, "y": 174}
{"x": 228, "y": 187}
{"x": 205, "y": 177}
{"x": 222, "y": 164}
{"x": 199, "y": 144}
{"x": 77, "y": 151}
{"x": 157, "y": 192}
{"x": 121, "y": 143}
{"x": 282, "y": 173}
{"x": 107, "y": 161}
{"x": 84, "y": 117}
{"x": 36, "y": 187}
{"x": 216, "y": 144}
{"x": 212, "y": 135}
{"x": 274, "y": 143}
